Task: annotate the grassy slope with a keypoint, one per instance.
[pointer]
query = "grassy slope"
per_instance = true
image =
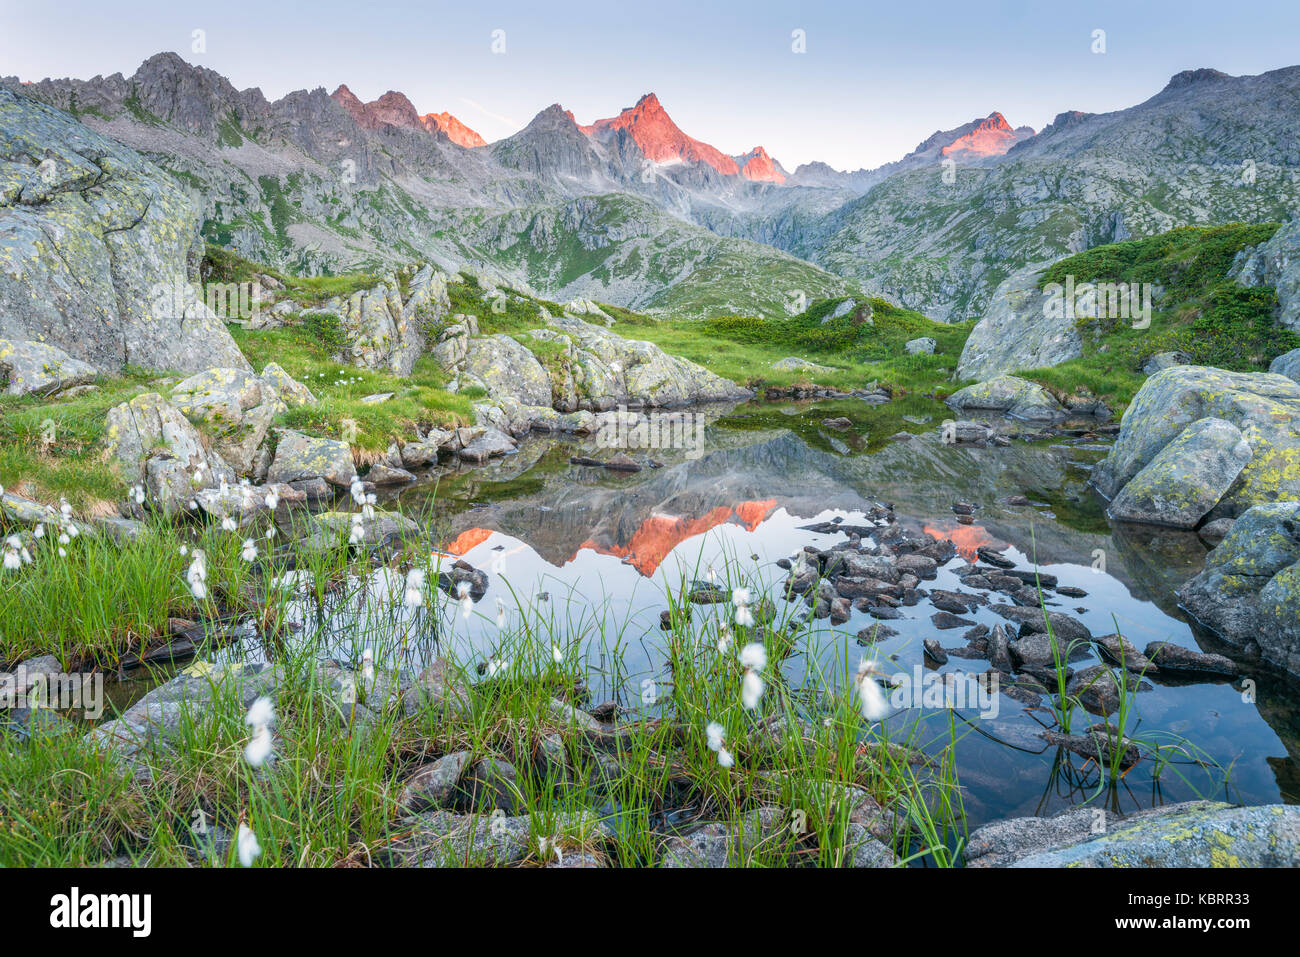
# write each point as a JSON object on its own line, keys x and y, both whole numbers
{"x": 743, "y": 348}
{"x": 1201, "y": 313}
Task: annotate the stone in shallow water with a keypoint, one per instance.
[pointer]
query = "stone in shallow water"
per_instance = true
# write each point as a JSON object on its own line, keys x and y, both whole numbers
{"x": 1010, "y": 395}
{"x": 1175, "y": 660}
{"x": 491, "y": 444}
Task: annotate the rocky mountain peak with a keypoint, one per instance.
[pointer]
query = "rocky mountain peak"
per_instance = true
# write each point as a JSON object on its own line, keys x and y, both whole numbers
{"x": 1190, "y": 77}
{"x": 760, "y": 167}
{"x": 991, "y": 136}
{"x": 453, "y": 129}
{"x": 659, "y": 138}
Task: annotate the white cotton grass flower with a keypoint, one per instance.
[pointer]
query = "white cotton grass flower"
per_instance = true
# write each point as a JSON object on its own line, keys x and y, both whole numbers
{"x": 197, "y": 575}
{"x": 724, "y": 640}
{"x": 466, "y": 607}
{"x": 368, "y": 667}
{"x": 870, "y": 698}
{"x": 63, "y": 552}
{"x": 501, "y": 613}
{"x": 260, "y": 712}
{"x": 270, "y": 533}
{"x": 557, "y": 655}
{"x": 72, "y": 531}
{"x": 259, "y": 746}
{"x": 12, "y": 561}
{"x": 228, "y": 524}
{"x": 137, "y": 494}
{"x": 725, "y": 758}
{"x": 494, "y": 665}
{"x": 249, "y": 849}
{"x": 185, "y": 550}
{"x": 249, "y": 552}
{"x": 740, "y": 596}
{"x": 64, "y": 539}
{"x": 272, "y": 500}
{"x": 462, "y": 589}
{"x": 751, "y": 690}
{"x": 38, "y": 532}
{"x": 715, "y": 734}
{"x": 414, "y": 596}
{"x": 754, "y": 656}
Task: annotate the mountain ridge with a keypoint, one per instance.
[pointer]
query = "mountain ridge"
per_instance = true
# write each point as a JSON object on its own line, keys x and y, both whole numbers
{"x": 318, "y": 181}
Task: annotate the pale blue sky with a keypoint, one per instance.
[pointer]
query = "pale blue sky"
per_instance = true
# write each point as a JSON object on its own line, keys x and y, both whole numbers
{"x": 876, "y": 78}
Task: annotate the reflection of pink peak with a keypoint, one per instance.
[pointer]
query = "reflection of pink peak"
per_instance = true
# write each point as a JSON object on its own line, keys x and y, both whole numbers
{"x": 991, "y": 136}
{"x": 967, "y": 538}
{"x": 659, "y": 137}
{"x": 467, "y": 540}
{"x": 658, "y": 535}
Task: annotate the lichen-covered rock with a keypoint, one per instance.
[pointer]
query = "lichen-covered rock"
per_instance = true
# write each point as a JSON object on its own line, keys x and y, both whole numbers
{"x": 491, "y": 444}
{"x": 1196, "y": 834}
{"x": 27, "y": 367}
{"x": 506, "y": 369}
{"x": 1275, "y": 263}
{"x": 573, "y": 365}
{"x": 336, "y": 527}
{"x": 386, "y": 331}
{"x": 95, "y": 249}
{"x": 1265, "y": 408}
{"x": 154, "y": 443}
{"x": 290, "y": 390}
{"x": 609, "y": 370}
{"x": 15, "y": 509}
{"x": 1287, "y": 364}
{"x": 299, "y": 456}
{"x": 237, "y": 407}
{"x": 922, "y": 346}
{"x": 1165, "y": 360}
{"x": 1010, "y": 395}
{"x": 1249, "y": 590}
{"x": 795, "y": 364}
{"x": 1018, "y": 331}
{"x": 1187, "y": 478}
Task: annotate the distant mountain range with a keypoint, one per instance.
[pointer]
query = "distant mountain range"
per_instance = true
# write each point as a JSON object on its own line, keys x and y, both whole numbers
{"x": 633, "y": 211}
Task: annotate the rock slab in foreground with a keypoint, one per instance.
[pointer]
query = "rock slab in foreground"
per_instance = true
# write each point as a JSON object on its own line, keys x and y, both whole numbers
{"x": 1197, "y": 834}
